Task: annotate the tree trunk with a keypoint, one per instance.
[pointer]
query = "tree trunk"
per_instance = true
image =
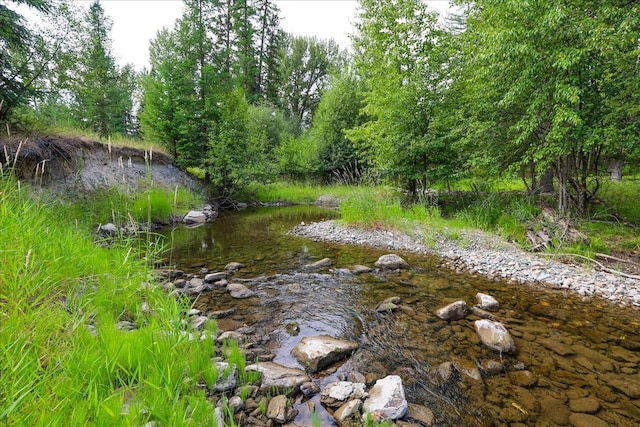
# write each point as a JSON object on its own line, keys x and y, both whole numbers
{"x": 546, "y": 182}
{"x": 563, "y": 190}
{"x": 615, "y": 167}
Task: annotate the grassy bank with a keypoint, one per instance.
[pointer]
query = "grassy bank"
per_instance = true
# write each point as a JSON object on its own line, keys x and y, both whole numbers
{"x": 502, "y": 208}
{"x": 66, "y": 358}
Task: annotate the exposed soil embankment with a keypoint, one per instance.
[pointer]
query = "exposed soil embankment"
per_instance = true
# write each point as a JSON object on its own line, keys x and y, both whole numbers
{"x": 67, "y": 165}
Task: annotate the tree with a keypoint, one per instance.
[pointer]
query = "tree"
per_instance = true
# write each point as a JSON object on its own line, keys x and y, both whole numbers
{"x": 17, "y": 72}
{"x": 306, "y": 64}
{"x": 340, "y": 109}
{"x": 269, "y": 39}
{"x": 102, "y": 93}
{"x": 544, "y": 88}
{"x": 398, "y": 58}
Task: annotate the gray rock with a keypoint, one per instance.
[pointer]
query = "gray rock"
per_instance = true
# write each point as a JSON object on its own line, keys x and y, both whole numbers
{"x": 295, "y": 288}
{"x": 230, "y": 335}
{"x": 279, "y": 409}
{"x": 467, "y": 368}
{"x": 387, "y": 398}
{"x": 278, "y": 377}
{"x": 556, "y": 346}
{"x": 385, "y": 307}
{"x": 584, "y": 420}
{"x": 215, "y": 277}
{"x": 587, "y": 405}
{"x": 360, "y": 269}
{"x": 317, "y": 353}
{"x": 233, "y": 266}
{"x": 523, "y": 378}
{"x": 309, "y": 389}
{"x": 420, "y": 414}
{"x": 495, "y": 336}
{"x": 236, "y": 404}
{"x": 487, "y": 302}
{"x": 391, "y": 262}
{"x": 348, "y": 411}
{"x": 199, "y": 322}
{"x": 444, "y": 371}
{"x": 227, "y": 377}
{"x": 109, "y": 228}
{"x": 628, "y": 385}
{"x": 338, "y": 393}
{"x": 327, "y": 200}
{"x": 323, "y": 263}
{"x": 236, "y": 290}
{"x": 454, "y": 311}
{"x": 195, "y": 218}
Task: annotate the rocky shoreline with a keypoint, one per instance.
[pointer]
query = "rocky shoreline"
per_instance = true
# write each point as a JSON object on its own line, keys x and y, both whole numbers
{"x": 487, "y": 255}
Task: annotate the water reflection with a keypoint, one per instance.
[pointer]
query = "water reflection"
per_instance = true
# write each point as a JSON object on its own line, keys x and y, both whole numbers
{"x": 581, "y": 358}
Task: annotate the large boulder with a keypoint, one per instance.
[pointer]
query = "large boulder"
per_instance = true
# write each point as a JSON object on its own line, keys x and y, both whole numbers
{"x": 319, "y": 352}
{"x": 387, "y": 399}
{"x": 495, "y": 336}
{"x": 391, "y": 262}
{"x": 278, "y": 377}
{"x": 454, "y": 311}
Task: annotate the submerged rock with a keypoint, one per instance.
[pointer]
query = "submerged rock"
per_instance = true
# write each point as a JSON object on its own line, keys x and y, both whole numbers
{"x": 316, "y": 353}
{"x": 390, "y": 304}
{"x": 487, "y": 302}
{"x": 495, "y": 336}
{"x": 323, "y": 263}
{"x": 387, "y": 398}
{"x": 454, "y": 311}
{"x": 236, "y": 290}
{"x": 391, "y": 262}
{"x": 422, "y": 415}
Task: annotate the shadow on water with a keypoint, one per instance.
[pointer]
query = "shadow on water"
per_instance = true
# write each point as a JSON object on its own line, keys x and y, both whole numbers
{"x": 575, "y": 359}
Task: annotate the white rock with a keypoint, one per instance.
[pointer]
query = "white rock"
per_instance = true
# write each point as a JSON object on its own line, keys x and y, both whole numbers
{"x": 387, "y": 399}
{"x": 495, "y": 336}
{"x": 487, "y": 302}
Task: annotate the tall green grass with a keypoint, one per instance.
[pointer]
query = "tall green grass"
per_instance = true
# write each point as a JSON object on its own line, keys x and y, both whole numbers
{"x": 63, "y": 361}
{"x": 304, "y": 192}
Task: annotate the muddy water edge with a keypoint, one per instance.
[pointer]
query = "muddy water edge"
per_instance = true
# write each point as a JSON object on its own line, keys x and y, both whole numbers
{"x": 577, "y": 362}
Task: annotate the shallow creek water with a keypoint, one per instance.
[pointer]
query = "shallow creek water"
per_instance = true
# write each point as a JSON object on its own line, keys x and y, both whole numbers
{"x": 576, "y": 360}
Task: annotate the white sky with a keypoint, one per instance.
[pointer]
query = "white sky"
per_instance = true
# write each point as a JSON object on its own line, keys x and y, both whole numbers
{"x": 136, "y": 22}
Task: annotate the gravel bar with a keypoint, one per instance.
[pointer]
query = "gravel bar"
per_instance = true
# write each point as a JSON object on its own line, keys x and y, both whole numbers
{"x": 487, "y": 255}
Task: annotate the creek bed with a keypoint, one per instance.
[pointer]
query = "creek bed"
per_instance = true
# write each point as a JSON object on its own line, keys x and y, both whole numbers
{"x": 577, "y": 362}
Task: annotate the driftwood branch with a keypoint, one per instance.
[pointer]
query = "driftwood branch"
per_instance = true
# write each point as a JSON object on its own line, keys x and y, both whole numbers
{"x": 599, "y": 265}
{"x": 612, "y": 258}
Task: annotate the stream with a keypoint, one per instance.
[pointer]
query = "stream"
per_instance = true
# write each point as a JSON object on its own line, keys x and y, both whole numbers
{"x": 577, "y": 362}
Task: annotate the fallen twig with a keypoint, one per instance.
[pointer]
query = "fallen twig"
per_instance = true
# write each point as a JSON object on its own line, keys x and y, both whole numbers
{"x": 598, "y": 255}
{"x": 599, "y": 265}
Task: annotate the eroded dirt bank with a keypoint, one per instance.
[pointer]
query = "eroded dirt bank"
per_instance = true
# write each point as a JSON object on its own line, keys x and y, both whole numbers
{"x": 74, "y": 165}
